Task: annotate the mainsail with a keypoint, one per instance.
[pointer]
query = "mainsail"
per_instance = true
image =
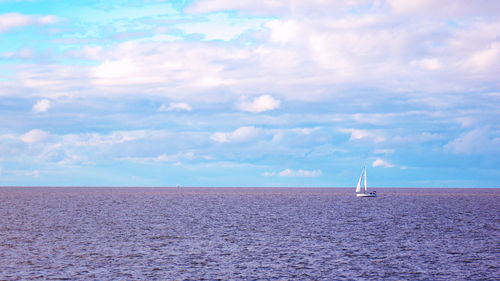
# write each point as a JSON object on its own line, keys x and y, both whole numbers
{"x": 358, "y": 186}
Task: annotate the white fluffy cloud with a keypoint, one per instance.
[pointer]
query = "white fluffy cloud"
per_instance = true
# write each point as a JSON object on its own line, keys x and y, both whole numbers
{"x": 175, "y": 107}
{"x": 42, "y": 105}
{"x": 360, "y": 134}
{"x": 259, "y": 104}
{"x": 242, "y": 134}
{"x": 172, "y": 69}
{"x": 35, "y": 136}
{"x": 379, "y": 162}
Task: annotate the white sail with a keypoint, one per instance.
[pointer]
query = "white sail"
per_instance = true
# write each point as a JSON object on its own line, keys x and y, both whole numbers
{"x": 358, "y": 186}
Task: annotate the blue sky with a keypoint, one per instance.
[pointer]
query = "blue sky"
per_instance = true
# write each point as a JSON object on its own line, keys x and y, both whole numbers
{"x": 250, "y": 93}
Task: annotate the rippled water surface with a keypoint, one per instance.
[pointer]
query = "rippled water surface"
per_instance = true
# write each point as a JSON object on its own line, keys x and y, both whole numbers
{"x": 248, "y": 234}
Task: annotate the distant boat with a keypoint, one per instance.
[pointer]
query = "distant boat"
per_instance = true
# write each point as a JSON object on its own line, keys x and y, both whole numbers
{"x": 365, "y": 193}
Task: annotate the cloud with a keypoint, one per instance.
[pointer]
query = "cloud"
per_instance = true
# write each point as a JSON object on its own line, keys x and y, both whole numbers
{"x": 13, "y": 20}
{"x": 361, "y": 134}
{"x": 221, "y": 26}
{"x": 283, "y": 31}
{"x": 283, "y": 7}
{"x": 175, "y": 107}
{"x": 23, "y": 53}
{"x": 242, "y": 134}
{"x": 33, "y": 174}
{"x": 35, "y": 136}
{"x": 379, "y": 162}
{"x": 295, "y": 173}
{"x": 169, "y": 68}
{"x": 175, "y": 157}
{"x": 383, "y": 151}
{"x": 477, "y": 141}
{"x": 190, "y": 155}
{"x": 207, "y": 6}
{"x": 485, "y": 59}
{"x": 42, "y": 106}
{"x": 444, "y": 8}
{"x": 429, "y": 64}
{"x": 305, "y": 131}
{"x": 113, "y": 138}
{"x": 73, "y": 159}
{"x": 259, "y": 104}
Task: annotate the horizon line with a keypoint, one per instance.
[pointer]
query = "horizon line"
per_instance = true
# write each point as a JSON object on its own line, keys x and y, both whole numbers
{"x": 181, "y": 187}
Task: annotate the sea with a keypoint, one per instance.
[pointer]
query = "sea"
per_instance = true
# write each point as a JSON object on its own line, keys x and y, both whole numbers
{"x": 184, "y": 233}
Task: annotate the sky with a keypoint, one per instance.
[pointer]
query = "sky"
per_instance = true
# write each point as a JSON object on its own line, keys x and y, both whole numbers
{"x": 250, "y": 93}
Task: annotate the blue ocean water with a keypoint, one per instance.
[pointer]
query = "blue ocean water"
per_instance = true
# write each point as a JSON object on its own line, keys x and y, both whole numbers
{"x": 248, "y": 234}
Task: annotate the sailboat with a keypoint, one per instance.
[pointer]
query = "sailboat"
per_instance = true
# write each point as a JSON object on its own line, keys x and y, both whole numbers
{"x": 365, "y": 193}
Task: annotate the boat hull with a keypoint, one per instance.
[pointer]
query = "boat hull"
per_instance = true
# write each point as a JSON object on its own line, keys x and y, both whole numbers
{"x": 366, "y": 195}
